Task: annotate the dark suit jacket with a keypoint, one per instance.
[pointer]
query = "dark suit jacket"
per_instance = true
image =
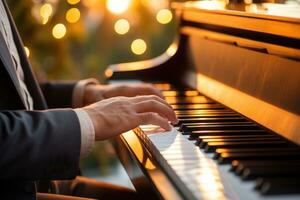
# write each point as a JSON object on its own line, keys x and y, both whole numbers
{"x": 34, "y": 145}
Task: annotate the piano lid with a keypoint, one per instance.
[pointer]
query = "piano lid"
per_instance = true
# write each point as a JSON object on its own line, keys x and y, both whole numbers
{"x": 271, "y": 18}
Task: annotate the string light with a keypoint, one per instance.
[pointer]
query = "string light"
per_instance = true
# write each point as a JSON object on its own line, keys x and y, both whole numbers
{"x": 45, "y": 12}
{"x": 73, "y": 2}
{"x": 118, "y": 6}
{"x": 59, "y": 31}
{"x": 164, "y": 16}
{"x": 73, "y": 15}
{"x": 27, "y": 51}
{"x": 122, "y": 26}
{"x": 138, "y": 46}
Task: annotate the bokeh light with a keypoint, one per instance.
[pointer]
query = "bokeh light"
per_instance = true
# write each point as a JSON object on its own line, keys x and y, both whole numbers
{"x": 73, "y": 2}
{"x": 118, "y": 6}
{"x": 138, "y": 46}
{"x": 27, "y": 51}
{"x": 73, "y": 15}
{"x": 45, "y": 12}
{"x": 164, "y": 16}
{"x": 122, "y": 26}
{"x": 59, "y": 31}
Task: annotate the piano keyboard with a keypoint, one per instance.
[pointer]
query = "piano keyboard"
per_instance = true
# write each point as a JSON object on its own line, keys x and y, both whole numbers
{"x": 219, "y": 154}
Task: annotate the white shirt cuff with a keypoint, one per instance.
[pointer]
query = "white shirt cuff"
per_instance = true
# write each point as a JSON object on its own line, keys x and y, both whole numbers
{"x": 87, "y": 132}
{"x": 78, "y": 92}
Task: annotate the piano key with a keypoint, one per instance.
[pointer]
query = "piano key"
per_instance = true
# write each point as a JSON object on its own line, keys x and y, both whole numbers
{"x": 233, "y": 126}
{"x": 196, "y": 134}
{"x": 270, "y": 171}
{"x": 208, "y": 115}
{"x": 201, "y": 112}
{"x": 210, "y": 123}
{"x": 241, "y": 164}
{"x": 210, "y": 119}
{"x": 200, "y": 138}
{"x": 253, "y": 150}
{"x": 188, "y": 100}
{"x": 204, "y": 142}
{"x": 183, "y": 93}
{"x": 198, "y": 107}
{"x": 273, "y": 186}
{"x": 212, "y": 146}
{"x": 228, "y": 157}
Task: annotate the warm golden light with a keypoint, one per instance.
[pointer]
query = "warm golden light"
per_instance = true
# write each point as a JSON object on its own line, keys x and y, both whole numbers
{"x": 163, "y": 86}
{"x": 118, "y": 6}
{"x": 169, "y": 93}
{"x": 45, "y": 12}
{"x": 73, "y": 15}
{"x": 108, "y": 73}
{"x": 191, "y": 93}
{"x": 27, "y": 51}
{"x": 122, "y": 26}
{"x": 164, "y": 16}
{"x": 149, "y": 164}
{"x": 209, "y": 5}
{"x": 59, "y": 31}
{"x": 73, "y": 2}
{"x": 138, "y": 46}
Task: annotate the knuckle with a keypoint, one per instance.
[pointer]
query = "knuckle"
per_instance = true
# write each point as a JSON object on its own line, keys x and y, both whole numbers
{"x": 154, "y": 97}
{"x": 151, "y": 102}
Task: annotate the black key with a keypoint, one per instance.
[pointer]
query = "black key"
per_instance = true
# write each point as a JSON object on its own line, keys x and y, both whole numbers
{"x": 275, "y": 186}
{"x": 200, "y": 138}
{"x": 196, "y": 134}
{"x": 202, "y": 112}
{"x": 198, "y": 107}
{"x": 242, "y": 164}
{"x": 253, "y": 150}
{"x": 233, "y": 126}
{"x": 228, "y": 157}
{"x": 194, "y": 126}
{"x": 208, "y": 115}
{"x": 282, "y": 163}
{"x": 270, "y": 171}
{"x": 206, "y": 141}
{"x": 211, "y": 119}
{"x": 212, "y": 146}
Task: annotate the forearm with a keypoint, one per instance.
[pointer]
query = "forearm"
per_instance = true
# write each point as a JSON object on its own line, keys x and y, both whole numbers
{"x": 39, "y": 145}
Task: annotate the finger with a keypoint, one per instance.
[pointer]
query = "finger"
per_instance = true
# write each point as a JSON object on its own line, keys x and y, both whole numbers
{"x": 156, "y": 107}
{"x": 150, "y": 90}
{"x": 138, "y": 99}
{"x": 155, "y": 119}
{"x": 140, "y": 89}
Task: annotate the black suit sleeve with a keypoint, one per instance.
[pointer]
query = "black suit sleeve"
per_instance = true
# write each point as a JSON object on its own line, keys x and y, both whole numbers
{"x": 58, "y": 94}
{"x": 39, "y": 144}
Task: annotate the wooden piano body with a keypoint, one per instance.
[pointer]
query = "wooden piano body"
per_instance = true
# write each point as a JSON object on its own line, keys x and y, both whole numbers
{"x": 246, "y": 57}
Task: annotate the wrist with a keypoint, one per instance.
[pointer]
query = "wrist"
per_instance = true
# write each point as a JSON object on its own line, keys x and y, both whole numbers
{"x": 88, "y": 94}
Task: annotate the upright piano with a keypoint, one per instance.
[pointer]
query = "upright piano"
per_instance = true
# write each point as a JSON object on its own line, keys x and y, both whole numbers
{"x": 232, "y": 76}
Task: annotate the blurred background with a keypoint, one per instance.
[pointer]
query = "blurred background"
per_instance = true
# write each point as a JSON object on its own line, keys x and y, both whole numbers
{"x": 75, "y": 39}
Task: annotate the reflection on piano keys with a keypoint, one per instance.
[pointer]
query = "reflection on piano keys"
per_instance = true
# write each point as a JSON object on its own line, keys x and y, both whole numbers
{"x": 233, "y": 81}
{"x": 261, "y": 155}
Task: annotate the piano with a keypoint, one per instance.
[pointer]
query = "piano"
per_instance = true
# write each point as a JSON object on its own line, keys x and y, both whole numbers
{"x": 232, "y": 76}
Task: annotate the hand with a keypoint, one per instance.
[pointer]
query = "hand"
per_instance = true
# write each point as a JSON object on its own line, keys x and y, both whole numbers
{"x": 94, "y": 93}
{"x": 117, "y": 115}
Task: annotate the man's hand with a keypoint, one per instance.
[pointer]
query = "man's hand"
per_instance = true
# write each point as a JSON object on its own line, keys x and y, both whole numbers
{"x": 94, "y": 93}
{"x": 119, "y": 114}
